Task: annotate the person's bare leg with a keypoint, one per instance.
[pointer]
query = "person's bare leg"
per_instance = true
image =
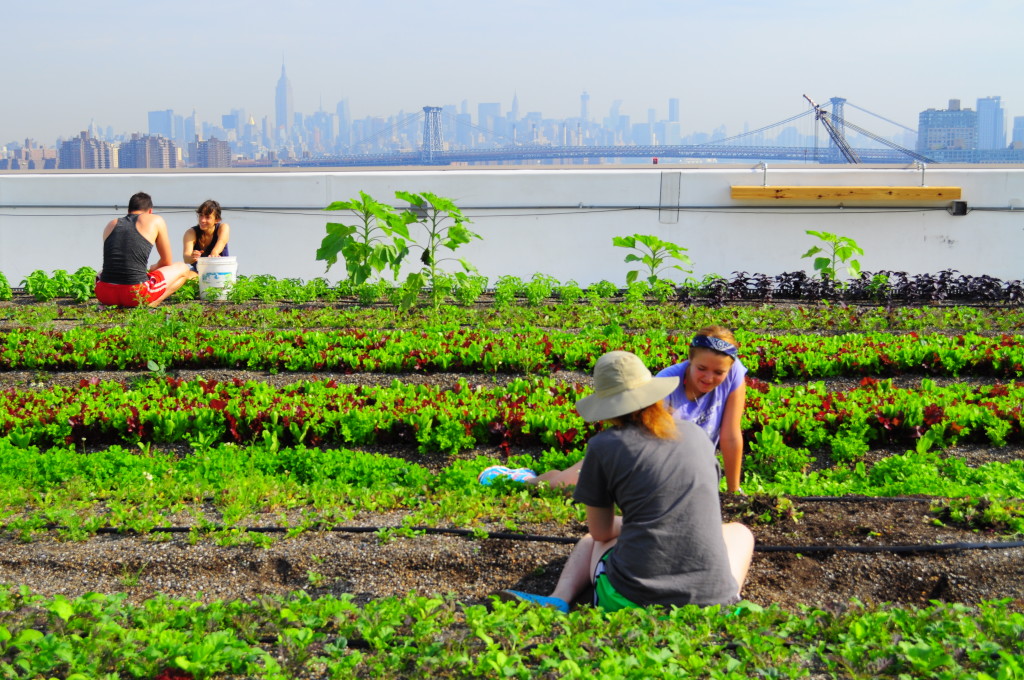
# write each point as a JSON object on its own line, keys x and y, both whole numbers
{"x": 578, "y": 572}
{"x": 739, "y": 543}
{"x": 175, "y": 275}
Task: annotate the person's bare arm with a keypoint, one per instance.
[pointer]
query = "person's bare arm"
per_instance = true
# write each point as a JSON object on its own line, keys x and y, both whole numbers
{"x": 731, "y": 437}
{"x": 188, "y": 247}
{"x": 601, "y": 523}
{"x": 222, "y": 239}
{"x": 162, "y": 243}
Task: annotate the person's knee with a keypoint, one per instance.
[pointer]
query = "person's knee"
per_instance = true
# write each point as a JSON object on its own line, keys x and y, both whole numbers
{"x": 176, "y": 273}
{"x": 739, "y": 539}
{"x": 740, "y": 533}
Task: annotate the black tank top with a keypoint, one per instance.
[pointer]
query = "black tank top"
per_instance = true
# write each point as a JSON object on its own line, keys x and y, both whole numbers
{"x": 213, "y": 240}
{"x": 125, "y": 253}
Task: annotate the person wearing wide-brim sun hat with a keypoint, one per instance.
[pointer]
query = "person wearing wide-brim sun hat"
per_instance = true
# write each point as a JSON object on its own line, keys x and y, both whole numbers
{"x": 711, "y": 393}
{"x": 669, "y": 547}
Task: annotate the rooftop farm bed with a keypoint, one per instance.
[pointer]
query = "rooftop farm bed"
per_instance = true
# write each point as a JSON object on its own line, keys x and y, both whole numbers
{"x": 303, "y": 477}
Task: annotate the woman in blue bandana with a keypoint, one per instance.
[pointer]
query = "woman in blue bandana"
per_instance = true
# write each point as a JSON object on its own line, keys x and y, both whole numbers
{"x": 711, "y": 393}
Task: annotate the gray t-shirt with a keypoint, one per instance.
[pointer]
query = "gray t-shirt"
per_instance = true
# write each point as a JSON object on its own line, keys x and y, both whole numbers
{"x": 671, "y": 550}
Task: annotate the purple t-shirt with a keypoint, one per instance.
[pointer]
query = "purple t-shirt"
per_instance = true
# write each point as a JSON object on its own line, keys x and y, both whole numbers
{"x": 708, "y": 410}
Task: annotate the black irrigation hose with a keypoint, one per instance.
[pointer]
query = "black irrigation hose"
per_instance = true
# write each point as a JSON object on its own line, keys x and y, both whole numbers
{"x": 862, "y": 499}
{"x": 538, "y": 538}
{"x": 937, "y": 547}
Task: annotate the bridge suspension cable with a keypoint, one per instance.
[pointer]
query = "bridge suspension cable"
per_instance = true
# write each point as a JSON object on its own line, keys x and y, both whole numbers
{"x": 900, "y": 125}
{"x": 394, "y": 127}
{"x": 802, "y": 114}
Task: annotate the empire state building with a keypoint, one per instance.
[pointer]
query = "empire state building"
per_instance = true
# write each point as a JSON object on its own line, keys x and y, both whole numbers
{"x": 283, "y": 105}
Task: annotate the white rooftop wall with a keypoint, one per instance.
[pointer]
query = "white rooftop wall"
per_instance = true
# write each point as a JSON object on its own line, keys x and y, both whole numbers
{"x": 557, "y": 221}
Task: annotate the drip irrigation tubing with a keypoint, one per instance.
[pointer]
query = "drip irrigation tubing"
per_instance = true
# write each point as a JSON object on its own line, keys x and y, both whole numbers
{"x": 540, "y": 538}
{"x": 926, "y": 548}
{"x": 862, "y": 499}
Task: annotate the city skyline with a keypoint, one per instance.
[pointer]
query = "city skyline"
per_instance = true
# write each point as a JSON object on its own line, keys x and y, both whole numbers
{"x": 728, "y": 63}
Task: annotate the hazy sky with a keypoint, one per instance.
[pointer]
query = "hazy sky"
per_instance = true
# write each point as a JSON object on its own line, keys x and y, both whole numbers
{"x": 730, "y": 62}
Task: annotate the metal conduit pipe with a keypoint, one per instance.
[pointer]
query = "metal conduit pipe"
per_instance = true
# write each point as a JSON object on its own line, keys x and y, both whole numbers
{"x": 575, "y": 207}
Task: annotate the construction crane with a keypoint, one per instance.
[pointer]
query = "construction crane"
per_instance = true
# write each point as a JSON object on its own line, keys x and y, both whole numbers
{"x": 882, "y": 140}
{"x": 834, "y": 122}
{"x": 837, "y": 137}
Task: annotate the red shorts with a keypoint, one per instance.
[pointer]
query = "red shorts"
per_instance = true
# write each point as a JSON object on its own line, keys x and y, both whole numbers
{"x": 125, "y": 295}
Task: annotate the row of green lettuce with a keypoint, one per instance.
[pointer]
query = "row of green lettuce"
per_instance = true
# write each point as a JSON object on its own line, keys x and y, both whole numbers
{"x": 463, "y": 290}
{"x": 523, "y": 350}
{"x": 605, "y": 317}
{"x": 461, "y": 416}
{"x": 105, "y": 637}
{"x": 219, "y": 493}
{"x": 433, "y": 287}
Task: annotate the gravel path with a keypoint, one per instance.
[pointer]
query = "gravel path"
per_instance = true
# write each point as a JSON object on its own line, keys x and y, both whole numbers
{"x": 369, "y": 566}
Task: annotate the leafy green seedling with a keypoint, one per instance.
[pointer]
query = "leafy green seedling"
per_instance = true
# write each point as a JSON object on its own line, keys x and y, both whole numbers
{"x": 838, "y": 252}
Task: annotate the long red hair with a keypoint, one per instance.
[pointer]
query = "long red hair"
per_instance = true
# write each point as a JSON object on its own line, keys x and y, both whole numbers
{"x": 656, "y": 419}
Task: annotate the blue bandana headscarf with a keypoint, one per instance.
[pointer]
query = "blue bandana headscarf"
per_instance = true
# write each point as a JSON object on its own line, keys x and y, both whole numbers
{"x": 717, "y": 344}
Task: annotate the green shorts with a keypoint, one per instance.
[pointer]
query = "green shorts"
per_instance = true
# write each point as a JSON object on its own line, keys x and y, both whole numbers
{"x": 610, "y": 600}
{"x": 605, "y": 595}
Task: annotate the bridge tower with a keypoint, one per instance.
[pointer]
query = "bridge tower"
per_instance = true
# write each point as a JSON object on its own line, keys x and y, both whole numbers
{"x": 433, "y": 144}
{"x": 838, "y": 117}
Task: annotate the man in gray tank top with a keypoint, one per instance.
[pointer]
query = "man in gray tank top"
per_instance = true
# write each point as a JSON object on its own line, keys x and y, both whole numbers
{"x": 127, "y": 279}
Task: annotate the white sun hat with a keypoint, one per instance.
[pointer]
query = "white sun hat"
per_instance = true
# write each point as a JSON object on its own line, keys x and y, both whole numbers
{"x": 622, "y": 384}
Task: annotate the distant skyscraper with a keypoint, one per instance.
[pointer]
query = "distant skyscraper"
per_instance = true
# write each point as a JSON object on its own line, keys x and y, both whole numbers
{"x": 641, "y": 134}
{"x": 283, "y": 105}
{"x": 1018, "y": 132}
{"x": 190, "y": 127}
{"x": 947, "y": 129}
{"x": 463, "y": 130}
{"x": 179, "y": 131}
{"x": 513, "y": 115}
{"x": 324, "y": 129}
{"x": 344, "y": 124}
{"x": 162, "y": 123}
{"x": 487, "y": 114}
{"x": 991, "y": 127}
{"x": 585, "y": 106}
{"x": 673, "y": 110}
{"x": 672, "y": 134}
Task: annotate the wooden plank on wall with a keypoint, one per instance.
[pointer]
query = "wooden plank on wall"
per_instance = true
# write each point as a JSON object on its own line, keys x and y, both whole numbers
{"x": 823, "y": 193}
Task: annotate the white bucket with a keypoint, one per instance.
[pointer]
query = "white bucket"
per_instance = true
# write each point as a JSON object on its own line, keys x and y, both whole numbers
{"x": 217, "y": 275}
